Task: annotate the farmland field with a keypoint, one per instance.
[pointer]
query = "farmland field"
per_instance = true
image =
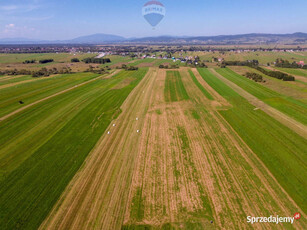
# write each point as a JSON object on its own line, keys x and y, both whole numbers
{"x": 287, "y": 105}
{"x": 298, "y": 72}
{"x": 151, "y": 148}
{"x": 53, "y": 153}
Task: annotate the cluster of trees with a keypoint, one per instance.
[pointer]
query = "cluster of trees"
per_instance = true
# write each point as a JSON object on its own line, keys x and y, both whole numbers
{"x": 276, "y": 74}
{"x": 168, "y": 66}
{"x": 15, "y": 72}
{"x": 254, "y": 76}
{"x": 255, "y": 64}
{"x": 196, "y": 64}
{"x": 75, "y": 60}
{"x": 242, "y": 63}
{"x": 97, "y": 70}
{"x": 97, "y": 60}
{"x": 29, "y": 61}
{"x": 44, "y": 72}
{"x": 128, "y": 68}
{"x": 286, "y": 64}
{"x": 43, "y": 61}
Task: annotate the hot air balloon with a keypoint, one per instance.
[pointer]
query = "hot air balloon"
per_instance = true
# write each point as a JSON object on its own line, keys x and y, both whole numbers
{"x": 153, "y": 12}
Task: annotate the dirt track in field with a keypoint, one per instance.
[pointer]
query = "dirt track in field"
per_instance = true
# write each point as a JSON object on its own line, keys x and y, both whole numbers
{"x": 180, "y": 169}
{"x": 53, "y": 95}
{"x": 294, "y": 125}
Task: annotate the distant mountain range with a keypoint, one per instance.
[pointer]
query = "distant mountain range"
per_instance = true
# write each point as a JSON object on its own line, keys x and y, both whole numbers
{"x": 242, "y": 39}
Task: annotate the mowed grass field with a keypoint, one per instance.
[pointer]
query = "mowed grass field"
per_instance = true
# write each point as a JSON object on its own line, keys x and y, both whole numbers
{"x": 14, "y": 79}
{"x": 54, "y": 138}
{"x": 184, "y": 164}
{"x": 148, "y": 149}
{"x": 287, "y": 105}
{"x": 29, "y": 92}
{"x": 281, "y": 150}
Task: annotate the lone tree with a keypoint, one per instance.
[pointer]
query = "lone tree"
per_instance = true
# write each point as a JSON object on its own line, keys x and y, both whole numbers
{"x": 75, "y": 60}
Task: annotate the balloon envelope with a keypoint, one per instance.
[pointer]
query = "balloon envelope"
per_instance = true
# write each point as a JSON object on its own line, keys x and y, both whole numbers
{"x": 153, "y": 12}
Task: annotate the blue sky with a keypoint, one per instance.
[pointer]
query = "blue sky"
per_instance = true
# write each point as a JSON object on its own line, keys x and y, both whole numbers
{"x": 65, "y": 19}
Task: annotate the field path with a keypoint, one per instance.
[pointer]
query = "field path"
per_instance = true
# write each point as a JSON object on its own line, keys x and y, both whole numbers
{"x": 96, "y": 197}
{"x": 281, "y": 117}
{"x": 54, "y": 95}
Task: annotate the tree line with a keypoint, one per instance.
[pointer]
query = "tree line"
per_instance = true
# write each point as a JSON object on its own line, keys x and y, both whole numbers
{"x": 97, "y": 60}
{"x": 43, "y": 72}
{"x": 43, "y": 61}
{"x": 168, "y": 66}
{"x": 128, "y": 68}
{"x": 255, "y": 64}
{"x": 286, "y": 64}
{"x": 276, "y": 74}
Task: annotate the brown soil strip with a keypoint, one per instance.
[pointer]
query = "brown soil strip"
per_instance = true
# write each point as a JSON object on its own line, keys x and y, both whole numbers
{"x": 281, "y": 117}
{"x": 54, "y": 95}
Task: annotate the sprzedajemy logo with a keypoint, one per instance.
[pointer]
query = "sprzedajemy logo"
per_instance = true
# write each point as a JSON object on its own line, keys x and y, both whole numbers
{"x": 273, "y": 219}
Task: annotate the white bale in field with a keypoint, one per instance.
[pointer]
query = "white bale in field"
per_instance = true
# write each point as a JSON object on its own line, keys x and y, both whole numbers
{"x": 108, "y": 132}
{"x": 137, "y": 131}
{"x": 113, "y": 125}
{"x": 137, "y": 119}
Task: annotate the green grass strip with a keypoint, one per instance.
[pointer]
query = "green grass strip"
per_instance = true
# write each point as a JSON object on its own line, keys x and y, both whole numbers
{"x": 174, "y": 89}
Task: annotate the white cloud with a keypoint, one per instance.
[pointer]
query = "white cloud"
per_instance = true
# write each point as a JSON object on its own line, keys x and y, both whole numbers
{"x": 9, "y": 26}
{"x": 13, "y": 30}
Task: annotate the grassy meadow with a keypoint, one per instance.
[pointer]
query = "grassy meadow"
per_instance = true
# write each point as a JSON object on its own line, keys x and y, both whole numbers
{"x": 54, "y": 138}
